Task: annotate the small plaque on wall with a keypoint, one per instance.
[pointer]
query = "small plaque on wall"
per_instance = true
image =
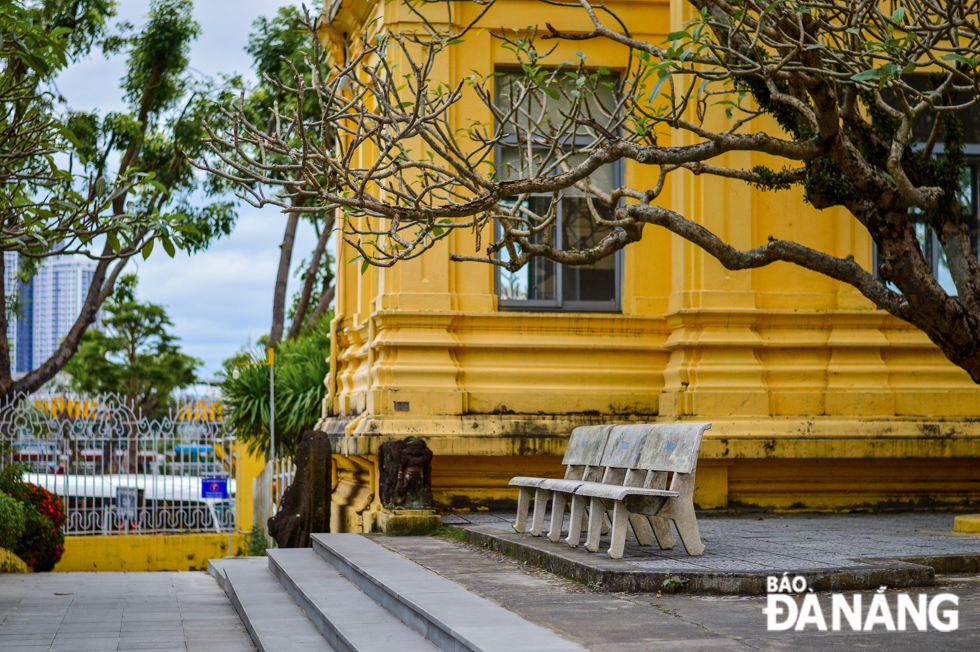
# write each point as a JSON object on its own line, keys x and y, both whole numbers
{"x": 401, "y": 406}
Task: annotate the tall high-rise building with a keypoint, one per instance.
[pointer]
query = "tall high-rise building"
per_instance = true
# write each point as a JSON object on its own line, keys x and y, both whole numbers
{"x": 49, "y": 305}
{"x": 10, "y": 287}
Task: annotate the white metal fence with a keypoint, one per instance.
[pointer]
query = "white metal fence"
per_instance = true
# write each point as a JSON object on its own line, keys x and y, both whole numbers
{"x": 268, "y": 487}
{"x": 118, "y": 471}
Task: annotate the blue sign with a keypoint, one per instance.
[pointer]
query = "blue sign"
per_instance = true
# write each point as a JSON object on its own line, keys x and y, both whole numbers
{"x": 126, "y": 503}
{"x": 214, "y": 488}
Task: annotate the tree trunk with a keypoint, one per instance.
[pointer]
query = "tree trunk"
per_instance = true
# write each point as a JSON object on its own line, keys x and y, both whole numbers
{"x": 310, "y": 280}
{"x": 282, "y": 279}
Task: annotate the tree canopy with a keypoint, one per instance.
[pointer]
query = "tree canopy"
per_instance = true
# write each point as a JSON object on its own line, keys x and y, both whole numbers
{"x": 864, "y": 108}
{"x": 133, "y": 354}
{"x": 102, "y": 187}
{"x": 301, "y": 364}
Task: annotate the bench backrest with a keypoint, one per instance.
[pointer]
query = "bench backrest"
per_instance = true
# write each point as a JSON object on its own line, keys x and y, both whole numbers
{"x": 585, "y": 446}
{"x": 654, "y": 447}
{"x": 673, "y": 447}
{"x": 623, "y": 447}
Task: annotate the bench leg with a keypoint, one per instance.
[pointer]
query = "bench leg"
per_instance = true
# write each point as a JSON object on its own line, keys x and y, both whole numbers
{"x": 597, "y": 514}
{"x": 575, "y": 519}
{"x": 641, "y": 528}
{"x": 558, "y": 502}
{"x": 541, "y": 497}
{"x": 687, "y": 527}
{"x": 661, "y": 530}
{"x": 523, "y": 503}
{"x": 621, "y": 517}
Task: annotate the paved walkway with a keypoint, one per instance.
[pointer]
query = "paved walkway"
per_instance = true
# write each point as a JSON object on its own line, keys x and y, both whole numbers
{"x": 76, "y": 612}
{"x": 784, "y": 542}
{"x": 624, "y": 622}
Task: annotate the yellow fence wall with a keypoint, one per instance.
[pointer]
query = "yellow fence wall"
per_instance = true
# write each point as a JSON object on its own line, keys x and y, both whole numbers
{"x": 147, "y": 552}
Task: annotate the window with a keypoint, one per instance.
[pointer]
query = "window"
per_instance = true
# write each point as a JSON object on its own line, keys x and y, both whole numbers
{"x": 543, "y": 284}
{"x": 970, "y": 183}
{"x": 929, "y": 241}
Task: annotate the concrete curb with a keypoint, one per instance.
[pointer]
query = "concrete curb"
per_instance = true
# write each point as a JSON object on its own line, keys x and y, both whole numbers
{"x": 599, "y": 571}
{"x": 967, "y": 523}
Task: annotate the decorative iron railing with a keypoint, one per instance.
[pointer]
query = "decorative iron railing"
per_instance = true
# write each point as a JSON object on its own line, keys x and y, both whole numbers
{"x": 119, "y": 471}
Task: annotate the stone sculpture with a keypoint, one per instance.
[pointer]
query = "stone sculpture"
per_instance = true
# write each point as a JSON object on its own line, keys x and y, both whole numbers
{"x": 305, "y": 505}
{"x": 405, "y": 469}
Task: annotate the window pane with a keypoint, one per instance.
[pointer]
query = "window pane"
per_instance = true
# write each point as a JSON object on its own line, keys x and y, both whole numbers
{"x": 595, "y": 282}
{"x": 535, "y": 112}
{"x": 943, "y": 276}
{"x": 924, "y": 234}
{"x": 967, "y": 198}
{"x": 536, "y": 280}
{"x": 513, "y": 164}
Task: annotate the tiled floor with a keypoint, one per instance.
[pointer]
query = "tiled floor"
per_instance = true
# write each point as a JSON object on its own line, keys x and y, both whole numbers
{"x": 778, "y": 542}
{"x": 75, "y": 612}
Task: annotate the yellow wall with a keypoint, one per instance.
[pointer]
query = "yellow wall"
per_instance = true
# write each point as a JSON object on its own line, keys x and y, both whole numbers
{"x": 818, "y": 400}
{"x": 147, "y": 552}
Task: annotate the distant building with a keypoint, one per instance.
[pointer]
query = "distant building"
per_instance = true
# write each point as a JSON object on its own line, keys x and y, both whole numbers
{"x": 49, "y": 305}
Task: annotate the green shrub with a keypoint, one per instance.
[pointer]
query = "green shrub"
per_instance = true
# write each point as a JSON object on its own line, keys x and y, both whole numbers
{"x": 10, "y": 477}
{"x": 257, "y": 542}
{"x": 45, "y": 502}
{"x": 11, "y": 521}
{"x": 42, "y": 542}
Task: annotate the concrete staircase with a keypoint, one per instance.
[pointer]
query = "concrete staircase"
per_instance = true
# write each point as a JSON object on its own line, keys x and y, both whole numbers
{"x": 349, "y": 594}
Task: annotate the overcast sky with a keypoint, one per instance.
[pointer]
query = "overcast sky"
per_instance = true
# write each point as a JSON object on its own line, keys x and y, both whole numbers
{"x": 220, "y": 298}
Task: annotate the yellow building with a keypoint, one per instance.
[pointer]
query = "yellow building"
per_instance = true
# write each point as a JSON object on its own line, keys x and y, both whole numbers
{"x": 818, "y": 400}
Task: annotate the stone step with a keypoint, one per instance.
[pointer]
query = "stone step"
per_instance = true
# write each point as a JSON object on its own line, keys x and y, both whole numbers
{"x": 273, "y": 620}
{"x": 348, "y": 619}
{"x": 445, "y": 613}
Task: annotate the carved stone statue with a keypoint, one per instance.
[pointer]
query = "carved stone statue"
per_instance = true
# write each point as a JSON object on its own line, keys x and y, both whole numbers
{"x": 305, "y": 506}
{"x": 405, "y": 474}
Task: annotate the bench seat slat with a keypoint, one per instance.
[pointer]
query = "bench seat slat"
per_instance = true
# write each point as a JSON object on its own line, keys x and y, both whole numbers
{"x": 564, "y": 486}
{"x": 521, "y": 481}
{"x": 618, "y": 492}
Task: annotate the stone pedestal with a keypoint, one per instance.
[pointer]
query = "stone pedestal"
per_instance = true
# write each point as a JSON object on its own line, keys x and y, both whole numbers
{"x": 408, "y": 521}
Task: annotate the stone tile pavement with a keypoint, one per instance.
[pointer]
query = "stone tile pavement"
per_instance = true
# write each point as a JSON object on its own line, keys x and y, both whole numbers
{"x": 77, "y": 612}
{"x": 631, "y": 622}
{"x": 782, "y": 542}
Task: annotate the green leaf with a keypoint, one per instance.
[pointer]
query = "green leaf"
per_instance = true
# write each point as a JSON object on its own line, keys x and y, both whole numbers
{"x": 953, "y": 56}
{"x": 113, "y": 241}
{"x": 168, "y": 246}
{"x": 157, "y": 185}
{"x": 550, "y": 92}
{"x": 364, "y": 266}
{"x": 656, "y": 89}
{"x": 147, "y": 249}
{"x": 866, "y": 75}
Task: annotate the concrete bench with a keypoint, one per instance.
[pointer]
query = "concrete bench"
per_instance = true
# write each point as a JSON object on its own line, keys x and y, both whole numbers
{"x": 623, "y": 470}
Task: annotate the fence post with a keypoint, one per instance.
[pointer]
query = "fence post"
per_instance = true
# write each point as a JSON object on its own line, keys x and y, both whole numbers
{"x": 247, "y": 468}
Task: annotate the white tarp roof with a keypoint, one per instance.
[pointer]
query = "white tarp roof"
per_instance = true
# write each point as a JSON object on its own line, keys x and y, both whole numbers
{"x": 155, "y": 487}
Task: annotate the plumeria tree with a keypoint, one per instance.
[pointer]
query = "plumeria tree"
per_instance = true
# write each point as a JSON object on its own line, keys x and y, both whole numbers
{"x": 864, "y": 105}
{"x": 103, "y": 187}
